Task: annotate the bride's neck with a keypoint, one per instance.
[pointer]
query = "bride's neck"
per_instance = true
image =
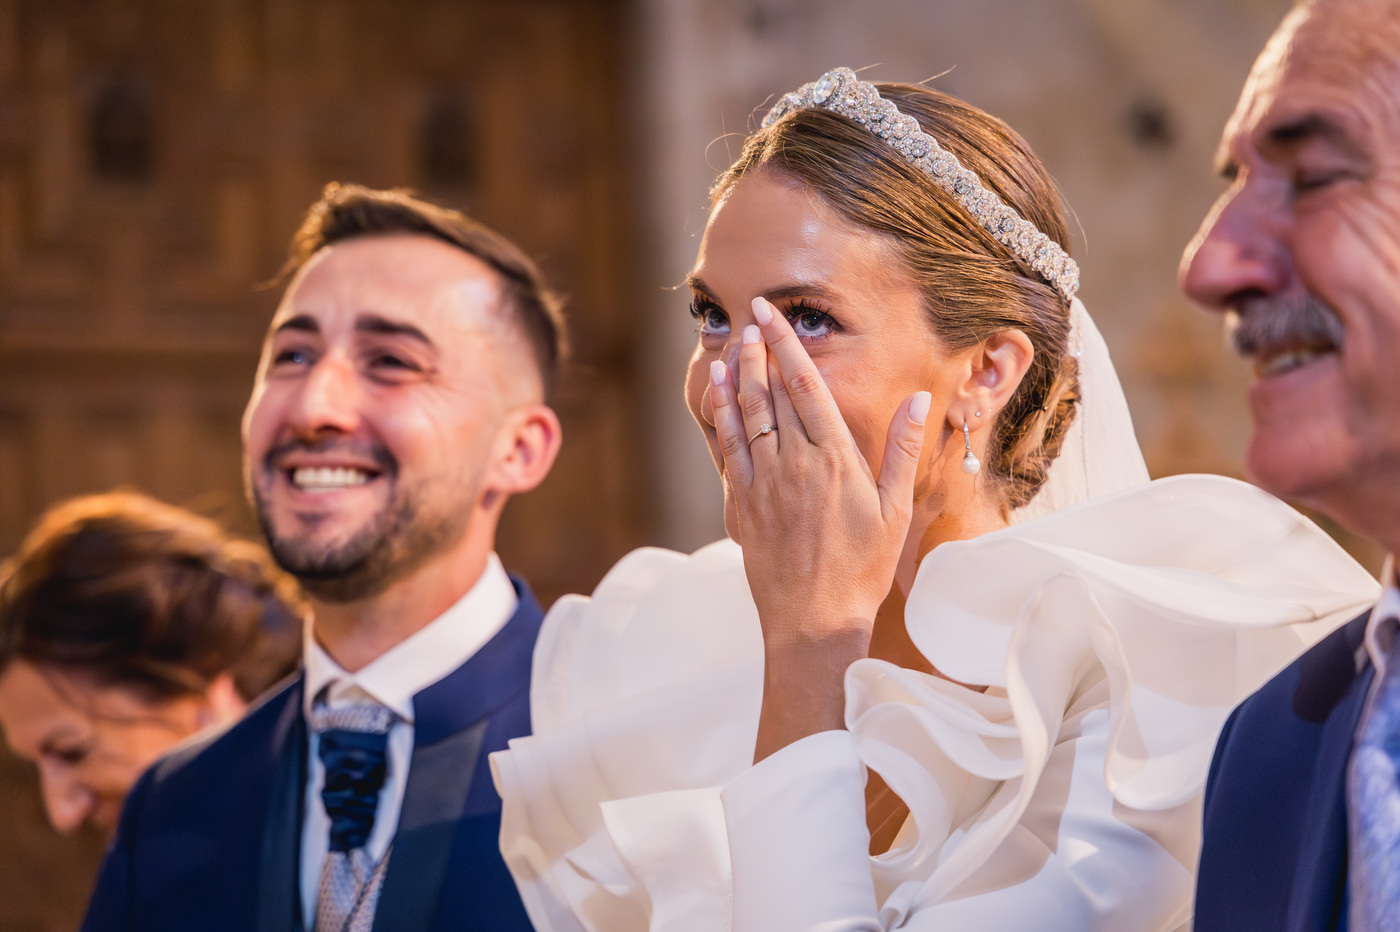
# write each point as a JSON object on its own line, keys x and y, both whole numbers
{"x": 932, "y": 525}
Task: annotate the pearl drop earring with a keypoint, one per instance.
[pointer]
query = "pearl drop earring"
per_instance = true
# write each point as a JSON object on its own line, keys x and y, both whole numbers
{"x": 970, "y": 464}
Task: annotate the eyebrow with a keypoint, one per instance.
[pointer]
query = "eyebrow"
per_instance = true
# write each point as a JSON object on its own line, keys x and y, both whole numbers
{"x": 365, "y": 323}
{"x": 1293, "y": 134}
{"x": 64, "y": 735}
{"x": 1323, "y": 127}
{"x": 303, "y": 323}
{"x": 383, "y": 326}
{"x": 795, "y": 290}
{"x": 1302, "y": 130}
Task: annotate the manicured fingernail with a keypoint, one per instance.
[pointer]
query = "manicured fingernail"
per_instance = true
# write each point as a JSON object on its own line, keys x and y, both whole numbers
{"x": 918, "y": 407}
{"x": 762, "y": 311}
{"x": 717, "y": 370}
{"x": 751, "y": 335}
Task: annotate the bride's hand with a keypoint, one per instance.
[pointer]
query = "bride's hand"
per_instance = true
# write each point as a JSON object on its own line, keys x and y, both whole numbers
{"x": 821, "y": 534}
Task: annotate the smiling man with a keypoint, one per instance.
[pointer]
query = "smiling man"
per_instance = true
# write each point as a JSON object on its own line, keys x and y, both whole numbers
{"x": 1302, "y": 253}
{"x": 399, "y": 402}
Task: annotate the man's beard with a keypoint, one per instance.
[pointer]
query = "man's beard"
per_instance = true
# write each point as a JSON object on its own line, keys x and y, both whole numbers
{"x": 1262, "y": 325}
{"x": 389, "y": 547}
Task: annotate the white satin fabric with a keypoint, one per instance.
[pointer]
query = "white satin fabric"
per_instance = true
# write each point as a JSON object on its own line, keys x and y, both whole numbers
{"x": 1113, "y": 638}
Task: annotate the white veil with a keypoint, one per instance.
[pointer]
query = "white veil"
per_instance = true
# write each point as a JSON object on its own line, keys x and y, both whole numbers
{"x": 1100, "y": 454}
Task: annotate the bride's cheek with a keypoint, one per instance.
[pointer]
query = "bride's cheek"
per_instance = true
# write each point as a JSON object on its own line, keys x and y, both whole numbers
{"x": 697, "y": 384}
{"x": 731, "y": 516}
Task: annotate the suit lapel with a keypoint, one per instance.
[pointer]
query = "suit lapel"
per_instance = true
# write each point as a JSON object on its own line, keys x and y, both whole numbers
{"x": 279, "y": 888}
{"x": 451, "y": 718}
{"x": 1319, "y": 897}
{"x": 439, "y": 778}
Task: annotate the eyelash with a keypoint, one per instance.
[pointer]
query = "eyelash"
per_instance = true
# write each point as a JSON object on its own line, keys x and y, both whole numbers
{"x": 73, "y": 756}
{"x": 702, "y": 308}
{"x": 801, "y": 308}
{"x": 1312, "y": 181}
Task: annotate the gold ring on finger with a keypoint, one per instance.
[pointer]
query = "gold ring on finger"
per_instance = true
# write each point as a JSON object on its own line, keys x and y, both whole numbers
{"x": 763, "y": 431}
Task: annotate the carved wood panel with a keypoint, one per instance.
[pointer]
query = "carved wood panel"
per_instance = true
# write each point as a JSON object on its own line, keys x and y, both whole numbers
{"x": 155, "y": 156}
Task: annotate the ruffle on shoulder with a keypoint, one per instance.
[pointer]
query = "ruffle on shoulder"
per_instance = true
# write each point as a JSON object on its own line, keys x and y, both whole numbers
{"x": 644, "y": 702}
{"x": 1186, "y": 594}
{"x": 1167, "y": 603}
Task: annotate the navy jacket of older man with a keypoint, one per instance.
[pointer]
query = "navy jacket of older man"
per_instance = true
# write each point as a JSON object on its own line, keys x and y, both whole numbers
{"x": 1274, "y": 857}
{"x": 210, "y": 837}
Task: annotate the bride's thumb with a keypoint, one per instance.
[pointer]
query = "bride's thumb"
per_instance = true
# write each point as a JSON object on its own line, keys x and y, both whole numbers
{"x": 900, "y": 466}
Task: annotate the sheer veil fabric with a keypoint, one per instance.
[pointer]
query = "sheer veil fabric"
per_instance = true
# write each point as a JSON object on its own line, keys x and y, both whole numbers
{"x": 1100, "y": 453}
{"x": 1108, "y": 632}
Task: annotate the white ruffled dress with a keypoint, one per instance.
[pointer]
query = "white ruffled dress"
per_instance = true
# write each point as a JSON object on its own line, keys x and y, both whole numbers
{"x": 1112, "y": 638}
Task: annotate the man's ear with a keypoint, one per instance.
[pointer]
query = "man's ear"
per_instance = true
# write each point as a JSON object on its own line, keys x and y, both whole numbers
{"x": 996, "y": 367}
{"x": 222, "y": 703}
{"x": 527, "y": 443}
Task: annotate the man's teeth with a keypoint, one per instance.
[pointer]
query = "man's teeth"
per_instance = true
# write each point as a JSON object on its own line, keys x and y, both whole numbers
{"x": 1288, "y": 360}
{"x": 322, "y": 477}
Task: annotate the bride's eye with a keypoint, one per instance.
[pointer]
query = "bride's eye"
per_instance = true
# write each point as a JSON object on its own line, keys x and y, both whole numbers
{"x": 811, "y": 323}
{"x": 709, "y": 319}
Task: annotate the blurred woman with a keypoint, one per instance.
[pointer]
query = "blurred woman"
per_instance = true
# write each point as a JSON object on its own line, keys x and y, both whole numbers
{"x": 128, "y": 626}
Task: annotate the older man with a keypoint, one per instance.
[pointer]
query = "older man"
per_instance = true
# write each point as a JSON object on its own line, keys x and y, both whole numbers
{"x": 398, "y": 404}
{"x": 1302, "y": 253}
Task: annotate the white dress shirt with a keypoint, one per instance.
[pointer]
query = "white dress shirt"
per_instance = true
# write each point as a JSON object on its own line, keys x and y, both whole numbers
{"x": 392, "y": 680}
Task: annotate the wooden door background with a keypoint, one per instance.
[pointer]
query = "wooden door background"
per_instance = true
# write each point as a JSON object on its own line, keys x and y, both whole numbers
{"x": 155, "y": 157}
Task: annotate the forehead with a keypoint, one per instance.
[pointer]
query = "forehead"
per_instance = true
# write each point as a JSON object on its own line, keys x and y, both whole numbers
{"x": 406, "y": 277}
{"x": 768, "y": 226}
{"x": 1331, "y": 71}
{"x": 30, "y": 705}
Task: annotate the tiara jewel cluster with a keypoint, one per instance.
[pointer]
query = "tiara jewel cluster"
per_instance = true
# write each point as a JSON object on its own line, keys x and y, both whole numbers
{"x": 841, "y": 92}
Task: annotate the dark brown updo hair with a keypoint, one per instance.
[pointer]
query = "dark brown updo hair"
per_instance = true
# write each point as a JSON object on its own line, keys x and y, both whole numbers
{"x": 146, "y": 596}
{"x": 973, "y": 287}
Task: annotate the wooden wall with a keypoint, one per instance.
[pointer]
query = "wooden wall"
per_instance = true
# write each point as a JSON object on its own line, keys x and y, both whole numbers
{"x": 155, "y": 156}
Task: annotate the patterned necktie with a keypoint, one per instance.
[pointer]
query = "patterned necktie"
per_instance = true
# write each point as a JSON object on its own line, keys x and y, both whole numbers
{"x": 353, "y": 743}
{"x": 1373, "y": 807}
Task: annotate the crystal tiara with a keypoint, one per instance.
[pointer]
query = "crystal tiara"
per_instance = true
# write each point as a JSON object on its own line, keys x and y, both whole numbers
{"x": 840, "y": 91}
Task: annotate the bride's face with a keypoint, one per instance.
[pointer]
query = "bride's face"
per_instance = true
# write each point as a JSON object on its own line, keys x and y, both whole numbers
{"x": 847, "y": 296}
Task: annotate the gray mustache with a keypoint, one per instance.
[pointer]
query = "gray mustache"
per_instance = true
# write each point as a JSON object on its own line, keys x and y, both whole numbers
{"x": 1260, "y": 325}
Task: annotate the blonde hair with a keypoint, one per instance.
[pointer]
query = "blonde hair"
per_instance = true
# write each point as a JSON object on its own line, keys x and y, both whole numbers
{"x": 972, "y": 286}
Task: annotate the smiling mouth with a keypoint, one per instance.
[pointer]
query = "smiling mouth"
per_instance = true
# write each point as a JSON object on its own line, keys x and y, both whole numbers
{"x": 1284, "y": 359}
{"x": 327, "y": 478}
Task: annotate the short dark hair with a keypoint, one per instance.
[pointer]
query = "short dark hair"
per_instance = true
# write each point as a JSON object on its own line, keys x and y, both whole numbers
{"x": 143, "y": 595}
{"x": 346, "y": 211}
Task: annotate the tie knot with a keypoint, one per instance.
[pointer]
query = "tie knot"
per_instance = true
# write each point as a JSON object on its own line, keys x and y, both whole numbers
{"x": 353, "y": 742}
{"x": 373, "y": 719}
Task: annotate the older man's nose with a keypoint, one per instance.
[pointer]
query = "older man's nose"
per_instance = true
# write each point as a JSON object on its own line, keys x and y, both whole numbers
{"x": 1236, "y": 253}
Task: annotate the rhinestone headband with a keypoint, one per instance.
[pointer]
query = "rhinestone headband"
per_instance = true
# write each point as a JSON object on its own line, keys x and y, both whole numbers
{"x": 841, "y": 92}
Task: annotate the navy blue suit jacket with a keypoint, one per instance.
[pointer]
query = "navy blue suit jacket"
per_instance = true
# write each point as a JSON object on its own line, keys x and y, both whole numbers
{"x": 210, "y": 837}
{"x": 1274, "y": 857}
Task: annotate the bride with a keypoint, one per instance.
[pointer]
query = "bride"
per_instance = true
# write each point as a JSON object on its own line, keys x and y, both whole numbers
{"x": 960, "y": 665}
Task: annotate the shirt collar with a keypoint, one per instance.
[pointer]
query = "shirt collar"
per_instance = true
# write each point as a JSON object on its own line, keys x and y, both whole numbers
{"x": 1385, "y": 619}
{"x": 423, "y": 658}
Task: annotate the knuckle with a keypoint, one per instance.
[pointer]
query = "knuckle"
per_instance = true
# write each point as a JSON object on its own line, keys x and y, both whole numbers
{"x": 730, "y": 446}
{"x": 909, "y": 446}
{"x": 755, "y": 405}
{"x": 898, "y": 515}
{"x": 804, "y": 383}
